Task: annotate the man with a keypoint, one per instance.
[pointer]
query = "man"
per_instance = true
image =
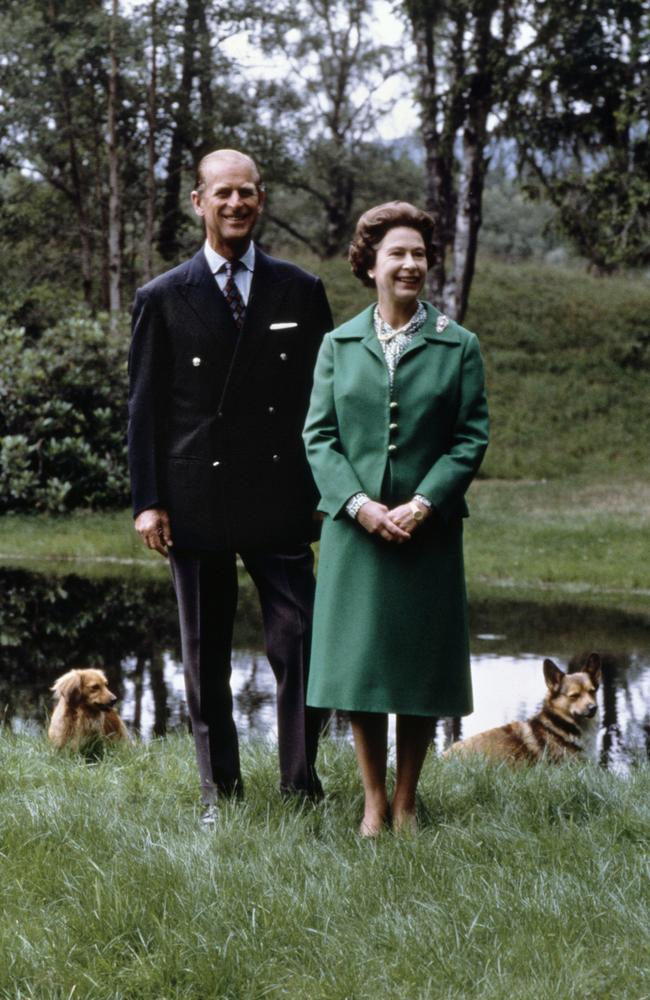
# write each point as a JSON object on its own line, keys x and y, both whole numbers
{"x": 221, "y": 365}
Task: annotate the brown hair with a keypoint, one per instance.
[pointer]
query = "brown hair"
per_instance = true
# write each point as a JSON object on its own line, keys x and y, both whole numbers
{"x": 373, "y": 226}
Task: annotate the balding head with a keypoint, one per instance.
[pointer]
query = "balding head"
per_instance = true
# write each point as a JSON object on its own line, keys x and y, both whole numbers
{"x": 227, "y": 156}
{"x": 229, "y": 198}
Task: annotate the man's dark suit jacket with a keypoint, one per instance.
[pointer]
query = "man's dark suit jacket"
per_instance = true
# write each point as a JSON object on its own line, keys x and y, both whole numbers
{"x": 215, "y": 416}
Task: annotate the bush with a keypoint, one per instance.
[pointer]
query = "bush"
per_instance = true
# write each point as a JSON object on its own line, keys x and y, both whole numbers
{"x": 63, "y": 417}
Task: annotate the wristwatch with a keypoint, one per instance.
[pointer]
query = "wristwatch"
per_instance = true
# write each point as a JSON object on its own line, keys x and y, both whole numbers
{"x": 418, "y": 515}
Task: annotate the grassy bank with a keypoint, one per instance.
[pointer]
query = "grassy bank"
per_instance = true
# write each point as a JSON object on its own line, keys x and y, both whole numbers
{"x": 568, "y": 365}
{"x": 528, "y": 885}
{"x": 572, "y": 538}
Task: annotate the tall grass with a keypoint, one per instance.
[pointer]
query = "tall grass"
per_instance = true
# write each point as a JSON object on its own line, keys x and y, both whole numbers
{"x": 529, "y": 885}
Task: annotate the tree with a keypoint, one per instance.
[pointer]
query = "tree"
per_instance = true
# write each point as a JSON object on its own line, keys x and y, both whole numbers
{"x": 114, "y": 205}
{"x": 465, "y": 51}
{"x": 582, "y": 129}
{"x": 329, "y": 110}
{"x": 203, "y": 107}
{"x": 57, "y": 91}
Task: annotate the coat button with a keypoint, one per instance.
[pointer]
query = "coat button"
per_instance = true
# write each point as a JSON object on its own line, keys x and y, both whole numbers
{"x": 196, "y": 362}
{"x": 392, "y": 427}
{"x": 283, "y": 356}
{"x": 392, "y": 448}
{"x": 393, "y": 404}
{"x": 215, "y": 464}
{"x": 276, "y": 458}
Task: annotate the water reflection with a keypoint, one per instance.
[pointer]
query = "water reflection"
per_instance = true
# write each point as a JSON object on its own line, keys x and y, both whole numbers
{"x": 128, "y": 626}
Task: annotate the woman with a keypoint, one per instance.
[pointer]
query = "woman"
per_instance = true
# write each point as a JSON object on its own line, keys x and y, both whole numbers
{"x": 396, "y": 430}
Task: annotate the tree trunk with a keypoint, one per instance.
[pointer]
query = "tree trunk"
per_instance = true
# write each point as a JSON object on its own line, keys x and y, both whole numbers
{"x": 439, "y": 123}
{"x": 473, "y": 166}
{"x": 114, "y": 206}
{"x": 468, "y": 221}
{"x": 150, "y": 217}
{"x": 205, "y": 72}
{"x": 85, "y": 240}
{"x": 76, "y": 192}
{"x": 168, "y": 242}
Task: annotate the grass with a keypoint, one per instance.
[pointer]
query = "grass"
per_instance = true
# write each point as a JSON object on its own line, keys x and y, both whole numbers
{"x": 568, "y": 365}
{"x": 101, "y": 539}
{"x": 528, "y": 885}
{"x": 573, "y": 538}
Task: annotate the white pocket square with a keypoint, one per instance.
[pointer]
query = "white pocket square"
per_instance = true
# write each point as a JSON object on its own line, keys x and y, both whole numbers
{"x": 282, "y": 326}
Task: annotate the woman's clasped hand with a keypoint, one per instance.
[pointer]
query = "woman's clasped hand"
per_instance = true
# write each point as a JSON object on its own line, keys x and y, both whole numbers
{"x": 396, "y": 525}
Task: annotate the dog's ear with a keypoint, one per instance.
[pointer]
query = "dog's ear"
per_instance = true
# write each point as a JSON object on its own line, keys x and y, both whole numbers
{"x": 552, "y": 675}
{"x": 593, "y": 668}
{"x": 68, "y": 687}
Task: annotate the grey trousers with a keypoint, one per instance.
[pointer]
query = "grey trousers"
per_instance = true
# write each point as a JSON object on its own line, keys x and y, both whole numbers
{"x": 206, "y": 593}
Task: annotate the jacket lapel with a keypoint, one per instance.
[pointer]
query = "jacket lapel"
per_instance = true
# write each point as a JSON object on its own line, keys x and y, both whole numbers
{"x": 202, "y": 293}
{"x": 267, "y": 291}
{"x": 429, "y": 334}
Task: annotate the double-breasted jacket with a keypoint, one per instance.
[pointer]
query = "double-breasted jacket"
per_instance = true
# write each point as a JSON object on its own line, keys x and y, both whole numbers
{"x": 215, "y": 415}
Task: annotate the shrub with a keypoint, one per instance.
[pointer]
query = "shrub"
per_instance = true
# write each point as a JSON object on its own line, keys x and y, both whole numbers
{"x": 63, "y": 417}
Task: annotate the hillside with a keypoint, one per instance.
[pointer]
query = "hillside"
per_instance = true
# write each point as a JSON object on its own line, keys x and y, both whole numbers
{"x": 568, "y": 366}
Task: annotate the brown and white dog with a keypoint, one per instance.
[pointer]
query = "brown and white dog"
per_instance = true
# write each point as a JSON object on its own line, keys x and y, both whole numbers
{"x": 566, "y": 726}
{"x": 84, "y": 710}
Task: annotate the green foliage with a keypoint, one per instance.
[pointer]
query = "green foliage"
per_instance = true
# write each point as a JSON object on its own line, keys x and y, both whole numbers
{"x": 583, "y": 129}
{"x": 63, "y": 417}
{"x": 514, "y": 227}
{"x": 528, "y": 884}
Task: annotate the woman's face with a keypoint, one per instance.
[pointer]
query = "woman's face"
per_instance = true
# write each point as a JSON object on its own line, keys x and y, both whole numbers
{"x": 400, "y": 266}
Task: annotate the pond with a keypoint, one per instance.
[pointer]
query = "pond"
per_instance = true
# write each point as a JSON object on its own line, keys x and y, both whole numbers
{"x": 128, "y": 626}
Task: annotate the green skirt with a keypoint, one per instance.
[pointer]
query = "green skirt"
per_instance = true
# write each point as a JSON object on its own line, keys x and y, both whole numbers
{"x": 390, "y": 622}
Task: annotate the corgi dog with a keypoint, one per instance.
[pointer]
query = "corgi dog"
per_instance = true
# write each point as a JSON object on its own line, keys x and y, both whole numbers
{"x": 565, "y": 727}
{"x": 84, "y": 710}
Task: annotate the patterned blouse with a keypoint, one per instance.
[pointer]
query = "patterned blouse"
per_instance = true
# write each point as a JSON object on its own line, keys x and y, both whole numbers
{"x": 393, "y": 343}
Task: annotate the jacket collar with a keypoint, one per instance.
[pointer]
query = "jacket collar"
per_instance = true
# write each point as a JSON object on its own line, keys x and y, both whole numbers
{"x": 361, "y": 327}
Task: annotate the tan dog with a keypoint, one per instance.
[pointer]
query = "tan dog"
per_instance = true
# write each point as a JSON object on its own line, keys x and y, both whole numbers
{"x": 84, "y": 710}
{"x": 566, "y": 726}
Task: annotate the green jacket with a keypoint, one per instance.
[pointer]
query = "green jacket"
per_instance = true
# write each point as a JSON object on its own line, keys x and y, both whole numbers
{"x": 429, "y": 430}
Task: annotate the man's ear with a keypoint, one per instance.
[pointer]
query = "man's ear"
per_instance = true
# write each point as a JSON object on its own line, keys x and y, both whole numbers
{"x": 196, "y": 204}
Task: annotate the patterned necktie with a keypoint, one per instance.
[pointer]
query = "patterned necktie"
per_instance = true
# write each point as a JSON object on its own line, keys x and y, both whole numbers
{"x": 232, "y": 293}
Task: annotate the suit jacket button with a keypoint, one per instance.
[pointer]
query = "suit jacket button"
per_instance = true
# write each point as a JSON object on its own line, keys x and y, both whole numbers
{"x": 215, "y": 464}
{"x": 196, "y": 362}
{"x": 283, "y": 357}
{"x": 271, "y": 409}
{"x": 392, "y": 448}
{"x": 276, "y": 458}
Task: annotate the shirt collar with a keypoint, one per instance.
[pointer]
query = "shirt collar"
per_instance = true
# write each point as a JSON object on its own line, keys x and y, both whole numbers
{"x": 386, "y": 332}
{"x": 216, "y": 261}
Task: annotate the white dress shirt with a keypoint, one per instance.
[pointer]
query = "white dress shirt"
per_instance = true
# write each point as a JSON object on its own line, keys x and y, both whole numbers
{"x": 243, "y": 275}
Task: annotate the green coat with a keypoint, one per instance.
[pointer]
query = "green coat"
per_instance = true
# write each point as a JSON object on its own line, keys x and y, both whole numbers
{"x": 390, "y": 623}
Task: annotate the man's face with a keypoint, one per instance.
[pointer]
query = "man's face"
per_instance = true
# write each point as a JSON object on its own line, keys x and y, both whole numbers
{"x": 230, "y": 203}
